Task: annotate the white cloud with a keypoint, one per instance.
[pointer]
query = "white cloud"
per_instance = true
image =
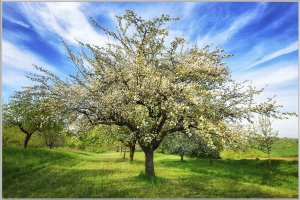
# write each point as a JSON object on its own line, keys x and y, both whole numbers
{"x": 287, "y": 128}
{"x": 17, "y": 62}
{"x": 16, "y": 36}
{"x": 272, "y": 75}
{"x": 240, "y": 22}
{"x": 279, "y": 79}
{"x": 20, "y": 23}
{"x": 149, "y": 11}
{"x": 66, "y": 19}
{"x": 21, "y": 59}
{"x": 70, "y": 20}
{"x": 14, "y": 78}
{"x": 188, "y": 7}
{"x": 288, "y": 98}
{"x": 289, "y": 49}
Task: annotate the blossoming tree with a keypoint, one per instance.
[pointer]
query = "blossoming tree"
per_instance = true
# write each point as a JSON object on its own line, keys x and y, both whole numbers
{"x": 151, "y": 86}
{"x": 29, "y": 113}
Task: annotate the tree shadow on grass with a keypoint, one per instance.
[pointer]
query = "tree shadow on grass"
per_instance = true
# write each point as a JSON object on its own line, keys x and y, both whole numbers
{"x": 154, "y": 180}
{"x": 192, "y": 187}
{"x": 251, "y": 171}
{"x": 62, "y": 183}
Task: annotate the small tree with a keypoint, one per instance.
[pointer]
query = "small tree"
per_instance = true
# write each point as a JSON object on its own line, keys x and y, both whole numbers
{"x": 209, "y": 146}
{"x": 80, "y": 134}
{"x": 180, "y": 144}
{"x": 263, "y": 136}
{"x": 52, "y": 133}
{"x": 126, "y": 137}
{"x": 26, "y": 112}
{"x": 113, "y": 135}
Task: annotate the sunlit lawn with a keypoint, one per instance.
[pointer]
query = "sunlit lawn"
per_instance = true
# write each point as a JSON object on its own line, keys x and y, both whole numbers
{"x": 69, "y": 173}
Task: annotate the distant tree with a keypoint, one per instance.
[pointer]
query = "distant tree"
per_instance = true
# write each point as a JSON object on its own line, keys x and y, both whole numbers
{"x": 80, "y": 134}
{"x": 151, "y": 86}
{"x": 285, "y": 143}
{"x": 210, "y": 147}
{"x": 213, "y": 138}
{"x": 11, "y": 135}
{"x": 126, "y": 137}
{"x": 180, "y": 144}
{"x": 104, "y": 135}
{"x": 7, "y": 135}
{"x": 263, "y": 136}
{"x": 52, "y": 132}
{"x": 27, "y": 112}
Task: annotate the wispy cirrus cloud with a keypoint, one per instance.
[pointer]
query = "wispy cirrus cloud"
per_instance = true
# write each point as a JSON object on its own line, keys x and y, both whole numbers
{"x": 285, "y": 50}
{"x": 238, "y": 23}
{"x": 281, "y": 81}
{"x": 21, "y": 59}
{"x": 18, "y": 62}
{"x": 63, "y": 19}
{"x": 272, "y": 75}
{"x": 19, "y": 22}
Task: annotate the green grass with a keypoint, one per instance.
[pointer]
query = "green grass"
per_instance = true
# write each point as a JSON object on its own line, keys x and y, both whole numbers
{"x": 279, "y": 151}
{"x": 38, "y": 173}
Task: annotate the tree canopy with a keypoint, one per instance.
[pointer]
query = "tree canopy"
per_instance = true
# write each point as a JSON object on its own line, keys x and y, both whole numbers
{"x": 26, "y": 112}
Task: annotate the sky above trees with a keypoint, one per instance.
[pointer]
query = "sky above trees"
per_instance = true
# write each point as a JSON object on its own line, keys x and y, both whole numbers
{"x": 262, "y": 36}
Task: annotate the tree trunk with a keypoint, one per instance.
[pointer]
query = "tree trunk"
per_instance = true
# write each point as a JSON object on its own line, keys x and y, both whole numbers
{"x": 149, "y": 165}
{"x": 181, "y": 157}
{"x": 132, "y": 150}
{"x": 270, "y": 165}
{"x": 211, "y": 161}
{"x": 124, "y": 153}
{"x": 5, "y": 141}
{"x": 27, "y": 138}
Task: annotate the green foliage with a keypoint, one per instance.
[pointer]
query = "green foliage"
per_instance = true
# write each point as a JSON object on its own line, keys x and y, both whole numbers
{"x": 36, "y": 141}
{"x": 65, "y": 173}
{"x": 192, "y": 145}
{"x": 53, "y": 132}
{"x": 25, "y": 111}
{"x": 73, "y": 141}
{"x": 11, "y": 135}
{"x": 100, "y": 135}
{"x": 262, "y": 136}
{"x": 32, "y": 113}
{"x": 180, "y": 144}
{"x": 93, "y": 139}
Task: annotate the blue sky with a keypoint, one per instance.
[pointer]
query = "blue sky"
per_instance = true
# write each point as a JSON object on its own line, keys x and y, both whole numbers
{"x": 262, "y": 36}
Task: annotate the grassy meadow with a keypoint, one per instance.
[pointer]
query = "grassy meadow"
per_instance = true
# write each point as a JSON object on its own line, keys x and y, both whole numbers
{"x": 279, "y": 151}
{"x": 69, "y": 173}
